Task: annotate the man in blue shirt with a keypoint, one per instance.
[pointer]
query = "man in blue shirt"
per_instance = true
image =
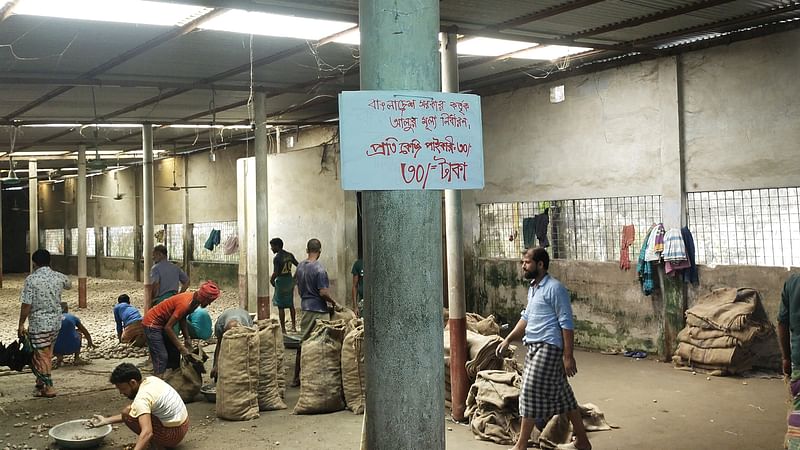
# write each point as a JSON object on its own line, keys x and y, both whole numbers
{"x": 315, "y": 298}
{"x": 166, "y": 277}
{"x": 129, "y": 322}
{"x": 546, "y": 324}
{"x": 68, "y": 341}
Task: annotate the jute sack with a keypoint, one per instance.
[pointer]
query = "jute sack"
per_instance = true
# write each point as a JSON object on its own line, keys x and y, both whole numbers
{"x": 321, "y": 370}
{"x": 270, "y": 365}
{"x": 353, "y": 369}
{"x": 188, "y": 379}
{"x": 343, "y": 313}
{"x": 237, "y": 387}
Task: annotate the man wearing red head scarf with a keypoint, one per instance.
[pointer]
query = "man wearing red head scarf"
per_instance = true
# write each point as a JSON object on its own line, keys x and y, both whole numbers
{"x": 165, "y": 347}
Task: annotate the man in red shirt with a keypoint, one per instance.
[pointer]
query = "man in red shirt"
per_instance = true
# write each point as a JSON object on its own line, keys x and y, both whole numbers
{"x": 165, "y": 347}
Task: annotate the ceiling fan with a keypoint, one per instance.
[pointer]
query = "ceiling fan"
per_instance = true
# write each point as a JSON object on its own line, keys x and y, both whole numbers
{"x": 175, "y": 186}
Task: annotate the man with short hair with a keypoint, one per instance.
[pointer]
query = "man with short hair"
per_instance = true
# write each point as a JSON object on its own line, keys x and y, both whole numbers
{"x": 41, "y": 307}
{"x": 166, "y": 277}
{"x": 547, "y": 327}
{"x": 231, "y": 318}
{"x": 69, "y": 337}
{"x": 157, "y": 415}
{"x": 316, "y": 300}
{"x": 128, "y": 320}
{"x": 283, "y": 282}
{"x": 164, "y": 345}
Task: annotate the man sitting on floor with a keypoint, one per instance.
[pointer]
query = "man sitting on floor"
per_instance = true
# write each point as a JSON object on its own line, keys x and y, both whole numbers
{"x": 157, "y": 415}
{"x": 69, "y": 337}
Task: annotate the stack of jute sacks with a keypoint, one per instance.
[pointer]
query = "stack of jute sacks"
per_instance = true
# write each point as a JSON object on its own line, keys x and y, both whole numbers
{"x": 727, "y": 332}
{"x": 332, "y": 366}
{"x": 251, "y": 375}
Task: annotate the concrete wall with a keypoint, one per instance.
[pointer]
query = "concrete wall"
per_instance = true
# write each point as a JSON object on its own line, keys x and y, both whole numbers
{"x": 739, "y": 113}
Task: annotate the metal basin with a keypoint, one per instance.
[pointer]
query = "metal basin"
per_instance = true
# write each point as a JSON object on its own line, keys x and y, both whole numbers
{"x": 74, "y": 434}
{"x": 209, "y": 391}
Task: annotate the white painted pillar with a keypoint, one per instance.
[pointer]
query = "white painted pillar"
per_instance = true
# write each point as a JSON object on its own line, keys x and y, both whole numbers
{"x": 80, "y": 202}
{"x": 147, "y": 203}
{"x": 33, "y": 208}
{"x": 262, "y": 207}
{"x": 241, "y": 215}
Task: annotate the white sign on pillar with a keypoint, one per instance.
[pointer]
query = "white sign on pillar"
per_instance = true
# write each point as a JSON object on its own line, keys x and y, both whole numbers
{"x": 410, "y": 140}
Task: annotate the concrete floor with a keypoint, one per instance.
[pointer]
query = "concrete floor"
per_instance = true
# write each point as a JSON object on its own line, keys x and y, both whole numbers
{"x": 656, "y": 406}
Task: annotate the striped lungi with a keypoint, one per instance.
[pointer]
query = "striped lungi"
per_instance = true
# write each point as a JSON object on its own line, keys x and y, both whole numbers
{"x": 162, "y": 436}
{"x": 42, "y": 360}
{"x": 545, "y": 391}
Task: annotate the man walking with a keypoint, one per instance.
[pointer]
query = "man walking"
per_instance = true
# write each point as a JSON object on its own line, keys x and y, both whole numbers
{"x": 157, "y": 415}
{"x": 789, "y": 340}
{"x": 546, "y": 324}
{"x": 41, "y": 307}
{"x": 315, "y": 297}
{"x": 166, "y": 277}
{"x": 283, "y": 282}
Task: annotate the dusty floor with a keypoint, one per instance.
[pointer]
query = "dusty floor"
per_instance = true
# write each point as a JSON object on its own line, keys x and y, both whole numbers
{"x": 656, "y": 406}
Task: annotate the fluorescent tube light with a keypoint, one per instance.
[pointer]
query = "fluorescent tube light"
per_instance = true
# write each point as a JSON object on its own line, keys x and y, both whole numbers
{"x": 265, "y": 24}
{"x": 481, "y": 46}
{"x": 120, "y": 11}
{"x": 52, "y": 125}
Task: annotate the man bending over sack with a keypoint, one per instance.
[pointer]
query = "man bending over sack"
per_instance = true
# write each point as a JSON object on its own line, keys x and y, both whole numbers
{"x": 164, "y": 345}
{"x": 157, "y": 415}
{"x": 231, "y": 318}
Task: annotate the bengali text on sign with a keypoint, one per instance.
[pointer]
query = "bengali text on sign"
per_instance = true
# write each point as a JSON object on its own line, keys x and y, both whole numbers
{"x": 398, "y": 140}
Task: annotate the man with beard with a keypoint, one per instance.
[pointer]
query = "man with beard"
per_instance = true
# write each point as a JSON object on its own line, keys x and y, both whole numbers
{"x": 157, "y": 415}
{"x": 547, "y": 330}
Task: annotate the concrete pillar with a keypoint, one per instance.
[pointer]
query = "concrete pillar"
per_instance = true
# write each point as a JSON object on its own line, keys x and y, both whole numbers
{"x": 673, "y": 193}
{"x": 147, "y": 208}
{"x": 80, "y": 203}
{"x": 187, "y": 243}
{"x": 454, "y": 232}
{"x": 33, "y": 208}
{"x": 262, "y": 207}
{"x": 403, "y": 248}
{"x": 241, "y": 215}
{"x": 1, "y": 236}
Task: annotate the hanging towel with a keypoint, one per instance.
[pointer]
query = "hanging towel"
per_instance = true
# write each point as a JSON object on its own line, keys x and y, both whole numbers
{"x": 653, "y": 252}
{"x": 674, "y": 250}
{"x": 540, "y": 222}
{"x": 159, "y": 235}
{"x": 213, "y": 240}
{"x": 644, "y": 268}
{"x": 690, "y": 275}
{"x": 628, "y": 234}
{"x": 528, "y": 232}
{"x": 673, "y": 268}
{"x": 231, "y": 245}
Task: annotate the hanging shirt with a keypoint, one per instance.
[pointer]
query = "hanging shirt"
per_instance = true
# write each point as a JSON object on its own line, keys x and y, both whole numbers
{"x": 674, "y": 250}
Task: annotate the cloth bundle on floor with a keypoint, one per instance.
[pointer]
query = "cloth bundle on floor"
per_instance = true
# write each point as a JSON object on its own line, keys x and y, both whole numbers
{"x": 493, "y": 406}
{"x": 727, "y": 331}
{"x": 353, "y": 368}
{"x": 486, "y": 326}
{"x": 271, "y": 380}
{"x": 321, "y": 369}
{"x": 558, "y": 429}
{"x": 188, "y": 378}
{"x": 237, "y": 388}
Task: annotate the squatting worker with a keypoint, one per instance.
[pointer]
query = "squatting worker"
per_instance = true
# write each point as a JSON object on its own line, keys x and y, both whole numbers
{"x": 166, "y": 277}
{"x": 41, "y": 307}
{"x": 70, "y": 337}
{"x": 129, "y": 322}
{"x": 789, "y": 339}
{"x": 157, "y": 415}
{"x": 315, "y": 297}
{"x": 231, "y": 318}
{"x": 546, "y": 324}
{"x": 164, "y": 345}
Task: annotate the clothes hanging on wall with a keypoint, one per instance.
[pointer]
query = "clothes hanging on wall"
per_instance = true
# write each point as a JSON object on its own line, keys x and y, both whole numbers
{"x": 644, "y": 268}
{"x": 674, "y": 249}
{"x": 540, "y": 223}
{"x": 213, "y": 240}
{"x": 653, "y": 251}
{"x": 626, "y": 240}
{"x": 691, "y": 274}
{"x": 528, "y": 232}
{"x": 231, "y": 245}
{"x": 159, "y": 235}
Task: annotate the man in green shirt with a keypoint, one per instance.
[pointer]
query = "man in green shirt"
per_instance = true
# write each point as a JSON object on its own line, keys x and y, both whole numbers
{"x": 358, "y": 286}
{"x": 789, "y": 339}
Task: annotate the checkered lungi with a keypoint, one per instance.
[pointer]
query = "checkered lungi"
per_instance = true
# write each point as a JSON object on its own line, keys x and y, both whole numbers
{"x": 162, "y": 436}
{"x": 545, "y": 391}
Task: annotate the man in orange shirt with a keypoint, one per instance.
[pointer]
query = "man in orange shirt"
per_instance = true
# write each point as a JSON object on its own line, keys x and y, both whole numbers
{"x": 165, "y": 347}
